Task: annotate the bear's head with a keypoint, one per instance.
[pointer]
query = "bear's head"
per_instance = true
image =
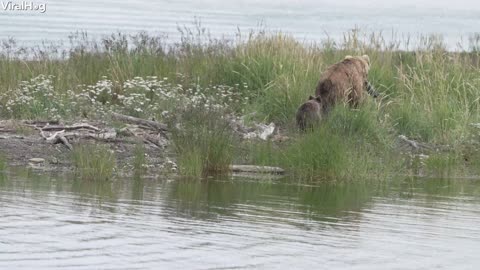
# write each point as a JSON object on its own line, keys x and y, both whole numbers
{"x": 364, "y": 59}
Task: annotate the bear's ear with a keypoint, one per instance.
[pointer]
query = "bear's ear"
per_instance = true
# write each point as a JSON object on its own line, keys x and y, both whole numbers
{"x": 366, "y": 58}
{"x": 310, "y": 98}
{"x": 366, "y": 61}
{"x": 348, "y": 57}
{"x": 318, "y": 99}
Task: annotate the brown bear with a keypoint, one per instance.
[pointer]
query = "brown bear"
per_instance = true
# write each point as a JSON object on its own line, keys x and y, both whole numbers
{"x": 345, "y": 81}
{"x": 309, "y": 113}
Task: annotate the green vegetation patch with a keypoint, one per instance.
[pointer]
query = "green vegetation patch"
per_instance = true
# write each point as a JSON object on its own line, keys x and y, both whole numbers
{"x": 93, "y": 162}
{"x": 428, "y": 94}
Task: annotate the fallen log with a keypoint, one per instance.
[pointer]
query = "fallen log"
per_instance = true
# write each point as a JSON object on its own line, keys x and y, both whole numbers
{"x": 414, "y": 144}
{"x": 72, "y": 127}
{"x": 105, "y": 135}
{"x": 101, "y": 136}
{"x": 256, "y": 169}
{"x": 139, "y": 121}
{"x": 7, "y": 130}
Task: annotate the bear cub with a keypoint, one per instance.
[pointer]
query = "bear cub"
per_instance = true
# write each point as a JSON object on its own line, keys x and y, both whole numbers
{"x": 309, "y": 113}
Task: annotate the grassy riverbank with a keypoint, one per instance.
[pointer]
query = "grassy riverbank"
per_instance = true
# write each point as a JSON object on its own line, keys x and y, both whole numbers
{"x": 428, "y": 94}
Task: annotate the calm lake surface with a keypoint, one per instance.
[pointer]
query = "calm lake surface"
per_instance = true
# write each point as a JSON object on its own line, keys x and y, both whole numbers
{"x": 308, "y": 20}
{"x": 49, "y": 222}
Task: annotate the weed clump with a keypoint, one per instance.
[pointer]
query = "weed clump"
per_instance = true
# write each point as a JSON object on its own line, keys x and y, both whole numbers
{"x": 139, "y": 161}
{"x": 93, "y": 162}
{"x": 203, "y": 143}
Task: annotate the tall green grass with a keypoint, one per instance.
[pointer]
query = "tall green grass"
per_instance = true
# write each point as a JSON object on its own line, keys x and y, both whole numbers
{"x": 280, "y": 72}
{"x": 139, "y": 161}
{"x": 93, "y": 162}
{"x": 428, "y": 94}
{"x": 348, "y": 145}
{"x": 203, "y": 143}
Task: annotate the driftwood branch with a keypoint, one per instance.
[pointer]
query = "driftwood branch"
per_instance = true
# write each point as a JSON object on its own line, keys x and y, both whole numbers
{"x": 256, "y": 169}
{"x": 66, "y": 128}
{"x": 414, "y": 144}
{"x": 64, "y": 141}
{"x": 260, "y": 131}
{"x": 139, "y": 121}
{"x": 72, "y": 127}
{"x": 105, "y": 136}
{"x": 40, "y": 122}
{"x": 57, "y": 137}
{"x": 7, "y": 130}
{"x": 142, "y": 133}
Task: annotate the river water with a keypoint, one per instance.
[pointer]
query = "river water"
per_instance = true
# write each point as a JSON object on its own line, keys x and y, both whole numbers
{"x": 307, "y": 20}
{"x": 51, "y": 222}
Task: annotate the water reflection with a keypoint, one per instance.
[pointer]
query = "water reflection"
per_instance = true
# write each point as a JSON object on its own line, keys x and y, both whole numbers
{"x": 435, "y": 190}
{"x": 138, "y": 189}
{"x": 209, "y": 199}
{"x": 86, "y": 190}
{"x": 52, "y": 221}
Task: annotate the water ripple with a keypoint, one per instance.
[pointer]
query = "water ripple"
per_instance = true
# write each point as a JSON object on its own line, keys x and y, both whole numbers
{"x": 50, "y": 224}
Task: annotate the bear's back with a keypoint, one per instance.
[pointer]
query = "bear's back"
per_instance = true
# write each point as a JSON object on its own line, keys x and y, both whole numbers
{"x": 342, "y": 81}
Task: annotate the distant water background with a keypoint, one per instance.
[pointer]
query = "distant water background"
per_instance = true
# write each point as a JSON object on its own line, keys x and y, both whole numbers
{"x": 307, "y": 20}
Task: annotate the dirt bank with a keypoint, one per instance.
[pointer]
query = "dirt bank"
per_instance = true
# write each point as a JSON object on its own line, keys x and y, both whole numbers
{"x": 48, "y": 145}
